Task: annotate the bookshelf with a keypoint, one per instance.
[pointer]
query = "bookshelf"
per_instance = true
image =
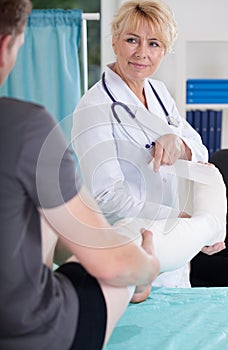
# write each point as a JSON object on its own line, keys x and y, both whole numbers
{"x": 207, "y": 59}
{"x": 196, "y": 57}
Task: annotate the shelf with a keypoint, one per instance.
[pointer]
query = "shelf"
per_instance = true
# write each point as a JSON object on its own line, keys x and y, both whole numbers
{"x": 216, "y": 106}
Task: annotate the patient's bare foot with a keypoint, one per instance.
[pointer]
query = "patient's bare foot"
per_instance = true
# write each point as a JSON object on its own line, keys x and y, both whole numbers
{"x": 141, "y": 294}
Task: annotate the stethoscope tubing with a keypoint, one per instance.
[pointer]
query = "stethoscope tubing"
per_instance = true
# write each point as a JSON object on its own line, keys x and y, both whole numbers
{"x": 149, "y": 145}
{"x": 155, "y": 93}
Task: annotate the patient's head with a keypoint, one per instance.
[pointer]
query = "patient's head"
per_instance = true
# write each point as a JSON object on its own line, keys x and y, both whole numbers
{"x": 13, "y": 17}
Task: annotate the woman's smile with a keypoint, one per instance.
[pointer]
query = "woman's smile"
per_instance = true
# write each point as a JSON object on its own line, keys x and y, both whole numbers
{"x": 138, "y": 65}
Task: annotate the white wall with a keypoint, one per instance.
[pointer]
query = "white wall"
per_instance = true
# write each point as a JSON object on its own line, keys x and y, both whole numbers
{"x": 108, "y": 9}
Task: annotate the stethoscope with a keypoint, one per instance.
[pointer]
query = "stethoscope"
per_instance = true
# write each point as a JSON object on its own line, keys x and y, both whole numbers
{"x": 171, "y": 120}
{"x": 149, "y": 145}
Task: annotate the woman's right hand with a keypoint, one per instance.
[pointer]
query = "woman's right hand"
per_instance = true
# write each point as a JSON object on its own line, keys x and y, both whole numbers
{"x": 168, "y": 148}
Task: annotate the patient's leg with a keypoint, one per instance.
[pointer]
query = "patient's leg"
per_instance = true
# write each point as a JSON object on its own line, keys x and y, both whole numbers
{"x": 209, "y": 190}
{"x": 177, "y": 241}
{"x": 211, "y": 198}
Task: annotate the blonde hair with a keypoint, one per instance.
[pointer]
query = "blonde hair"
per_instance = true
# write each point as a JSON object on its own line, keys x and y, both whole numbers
{"x": 155, "y": 12}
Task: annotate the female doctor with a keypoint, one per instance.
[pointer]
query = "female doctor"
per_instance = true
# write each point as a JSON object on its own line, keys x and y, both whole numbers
{"x": 112, "y": 163}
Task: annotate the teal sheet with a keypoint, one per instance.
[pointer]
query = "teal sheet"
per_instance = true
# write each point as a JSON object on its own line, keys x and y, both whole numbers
{"x": 175, "y": 319}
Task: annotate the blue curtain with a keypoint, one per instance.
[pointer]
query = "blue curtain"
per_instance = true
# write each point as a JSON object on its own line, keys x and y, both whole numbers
{"x": 47, "y": 70}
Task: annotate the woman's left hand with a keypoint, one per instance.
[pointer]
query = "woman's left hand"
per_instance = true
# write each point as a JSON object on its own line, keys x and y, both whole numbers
{"x": 215, "y": 248}
{"x": 168, "y": 149}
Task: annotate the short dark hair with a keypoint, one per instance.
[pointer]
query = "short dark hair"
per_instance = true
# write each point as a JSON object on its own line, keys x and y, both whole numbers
{"x": 13, "y": 16}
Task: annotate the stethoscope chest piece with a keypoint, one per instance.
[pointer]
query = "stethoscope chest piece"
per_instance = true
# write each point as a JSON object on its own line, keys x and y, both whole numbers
{"x": 172, "y": 121}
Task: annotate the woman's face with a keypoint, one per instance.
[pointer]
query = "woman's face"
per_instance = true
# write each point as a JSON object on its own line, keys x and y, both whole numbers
{"x": 138, "y": 52}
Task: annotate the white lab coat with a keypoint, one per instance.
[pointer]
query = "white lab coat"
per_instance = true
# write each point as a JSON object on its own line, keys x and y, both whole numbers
{"x": 114, "y": 169}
